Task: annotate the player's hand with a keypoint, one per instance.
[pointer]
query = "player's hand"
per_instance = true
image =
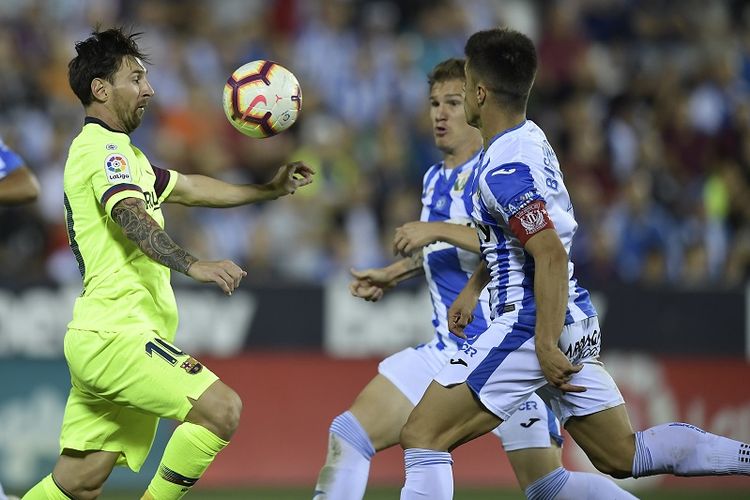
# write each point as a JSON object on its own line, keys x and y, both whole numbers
{"x": 461, "y": 312}
{"x": 412, "y": 236}
{"x": 557, "y": 368}
{"x": 291, "y": 177}
{"x": 224, "y": 273}
{"x": 370, "y": 284}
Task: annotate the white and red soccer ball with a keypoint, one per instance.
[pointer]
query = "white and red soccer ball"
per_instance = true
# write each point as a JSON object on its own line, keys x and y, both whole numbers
{"x": 262, "y": 98}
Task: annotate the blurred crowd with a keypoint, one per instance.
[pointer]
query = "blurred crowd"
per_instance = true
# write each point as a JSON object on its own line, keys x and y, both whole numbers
{"x": 645, "y": 102}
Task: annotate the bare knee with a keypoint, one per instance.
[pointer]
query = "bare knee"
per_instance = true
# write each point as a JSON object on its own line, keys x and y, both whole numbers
{"x": 226, "y": 416}
{"x": 218, "y": 410}
{"x": 417, "y": 433}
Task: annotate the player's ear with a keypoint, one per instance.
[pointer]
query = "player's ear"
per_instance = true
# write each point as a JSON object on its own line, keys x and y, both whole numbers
{"x": 481, "y": 94}
{"x": 99, "y": 89}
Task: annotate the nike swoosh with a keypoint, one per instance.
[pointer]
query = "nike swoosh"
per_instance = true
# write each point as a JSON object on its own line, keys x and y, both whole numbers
{"x": 459, "y": 361}
{"x": 256, "y": 100}
{"x": 531, "y": 422}
{"x": 318, "y": 492}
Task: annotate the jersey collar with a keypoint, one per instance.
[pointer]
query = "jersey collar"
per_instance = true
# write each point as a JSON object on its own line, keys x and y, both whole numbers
{"x": 506, "y": 131}
{"x": 97, "y": 121}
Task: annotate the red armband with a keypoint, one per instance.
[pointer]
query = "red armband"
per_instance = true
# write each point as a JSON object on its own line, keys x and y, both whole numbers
{"x": 530, "y": 220}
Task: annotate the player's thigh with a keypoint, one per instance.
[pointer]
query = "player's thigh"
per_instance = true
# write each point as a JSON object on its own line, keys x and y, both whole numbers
{"x": 533, "y": 425}
{"x": 607, "y": 438}
{"x": 386, "y": 402}
{"x": 93, "y": 423}
{"x": 382, "y": 409}
{"x": 530, "y": 464}
{"x": 445, "y": 418}
{"x": 137, "y": 370}
{"x": 500, "y": 367}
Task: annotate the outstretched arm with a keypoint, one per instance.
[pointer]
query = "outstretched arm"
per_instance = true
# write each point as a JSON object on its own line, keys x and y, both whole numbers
{"x": 144, "y": 231}
{"x": 415, "y": 235}
{"x": 371, "y": 284}
{"x": 20, "y": 186}
{"x": 199, "y": 190}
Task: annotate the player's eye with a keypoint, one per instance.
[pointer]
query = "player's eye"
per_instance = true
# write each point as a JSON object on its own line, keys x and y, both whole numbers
{"x": 434, "y": 104}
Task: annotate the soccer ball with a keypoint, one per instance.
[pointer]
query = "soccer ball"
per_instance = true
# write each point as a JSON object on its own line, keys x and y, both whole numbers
{"x": 262, "y": 98}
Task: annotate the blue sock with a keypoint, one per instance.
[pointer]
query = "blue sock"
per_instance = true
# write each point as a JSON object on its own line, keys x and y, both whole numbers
{"x": 686, "y": 450}
{"x": 344, "y": 475}
{"x": 429, "y": 475}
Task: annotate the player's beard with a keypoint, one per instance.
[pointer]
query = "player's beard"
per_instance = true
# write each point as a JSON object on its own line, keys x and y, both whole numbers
{"x": 127, "y": 116}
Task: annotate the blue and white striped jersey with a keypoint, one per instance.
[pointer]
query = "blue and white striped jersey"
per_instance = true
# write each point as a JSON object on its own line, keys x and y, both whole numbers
{"x": 446, "y": 197}
{"x": 518, "y": 190}
{"x": 9, "y": 161}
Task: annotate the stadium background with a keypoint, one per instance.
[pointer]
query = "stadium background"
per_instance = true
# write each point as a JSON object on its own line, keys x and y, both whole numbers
{"x": 645, "y": 102}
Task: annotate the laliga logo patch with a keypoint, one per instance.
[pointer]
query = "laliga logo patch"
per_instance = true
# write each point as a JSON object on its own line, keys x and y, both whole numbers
{"x": 117, "y": 169}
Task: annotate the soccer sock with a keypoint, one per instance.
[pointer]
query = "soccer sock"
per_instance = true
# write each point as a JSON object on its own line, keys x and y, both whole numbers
{"x": 685, "y": 450}
{"x": 429, "y": 475}
{"x": 344, "y": 475}
{"x": 46, "y": 489}
{"x": 2, "y": 493}
{"x": 189, "y": 452}
{"x": 561, "y": 484}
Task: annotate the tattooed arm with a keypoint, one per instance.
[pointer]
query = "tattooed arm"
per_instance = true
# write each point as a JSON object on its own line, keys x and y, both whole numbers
{"x": 144, "y": 231}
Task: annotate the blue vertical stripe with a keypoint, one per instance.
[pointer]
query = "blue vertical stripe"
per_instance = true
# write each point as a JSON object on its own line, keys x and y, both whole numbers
{"x": 554, "y": 432}
{"x": 518, "y": 335}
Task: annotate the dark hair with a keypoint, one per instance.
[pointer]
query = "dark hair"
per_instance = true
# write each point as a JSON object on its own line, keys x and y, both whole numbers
{"x": 100, "y": 56}
{"x": 450, "y": 69}
{"x": 505, "y": 60}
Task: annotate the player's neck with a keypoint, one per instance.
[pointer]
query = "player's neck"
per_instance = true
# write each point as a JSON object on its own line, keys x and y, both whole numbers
{"x": 461, "y": 154}
{"x": 108, "y": 117}
{"x": 495, "y": 123}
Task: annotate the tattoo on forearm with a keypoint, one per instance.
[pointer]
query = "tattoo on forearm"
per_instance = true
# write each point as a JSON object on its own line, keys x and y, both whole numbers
{"x": 415, "y": 261}
{"x": 143, "y": 230}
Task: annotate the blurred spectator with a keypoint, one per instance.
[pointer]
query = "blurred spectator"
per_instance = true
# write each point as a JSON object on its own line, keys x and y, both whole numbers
{"x": 645, "y": 104}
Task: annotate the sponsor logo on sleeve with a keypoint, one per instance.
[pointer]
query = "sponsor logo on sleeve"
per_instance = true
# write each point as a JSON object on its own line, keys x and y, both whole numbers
{"x": 111, "y": 147}
{"x": 518, "y": 203}
{"x": 117, "y": 168}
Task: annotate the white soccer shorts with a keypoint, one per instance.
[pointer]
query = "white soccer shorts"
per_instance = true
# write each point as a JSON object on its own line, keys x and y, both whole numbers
{"x": 412, "y": 370}
{"x": 502, "y": 369}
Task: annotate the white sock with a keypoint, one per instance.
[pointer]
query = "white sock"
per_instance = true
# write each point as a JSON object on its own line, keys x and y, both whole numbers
{"x": 685, "y": 450}
{"x": 561, "y": 484}
{"x": 429, "y": 475}
{"x": 344, "y": 475}
{"x": 2, "y": 493}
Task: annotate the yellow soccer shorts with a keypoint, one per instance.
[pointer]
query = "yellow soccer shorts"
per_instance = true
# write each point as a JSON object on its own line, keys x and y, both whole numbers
{"x": 122, "y": 383}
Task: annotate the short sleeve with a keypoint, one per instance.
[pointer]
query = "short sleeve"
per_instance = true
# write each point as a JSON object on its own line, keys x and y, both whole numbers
{"x": 164, "y": 183}
{"x": 509, "y": 191}
{"x": 509, "y": 188}
{"x": 113, "y": 176}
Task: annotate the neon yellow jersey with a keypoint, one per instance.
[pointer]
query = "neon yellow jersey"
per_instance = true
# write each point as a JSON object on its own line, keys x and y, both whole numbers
{"x": 124, "y": 290}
